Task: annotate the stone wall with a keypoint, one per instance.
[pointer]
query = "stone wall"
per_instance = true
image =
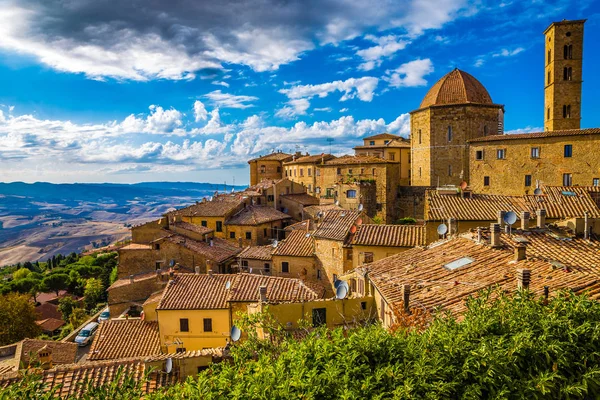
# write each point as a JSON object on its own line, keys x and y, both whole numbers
{"x": 265, "y": 169}
{"x": 121, "y": 297}
{"x": 304, "y": 268}
{"x": 411, "y": 201}
{"x": 149, "y": 231}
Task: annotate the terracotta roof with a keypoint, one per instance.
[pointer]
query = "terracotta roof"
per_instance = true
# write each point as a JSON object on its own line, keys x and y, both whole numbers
{"x": 390, "y": 235}
{"x": 48, "y": 310}
{"x": 264, "y": 184}
{"x": 336, "y": 224}
{"x": 136, "y": 246}
{"x": 256, "y": 215}
{"x": 215, "y": 352}
{"x": 200, "y": 291}
{"x": 316, "y": 159}
{"x": 485, "y": 207}
{"x": 50, "y": 324}
{"x": 312, "y": 211}
{"x": 136, "y": 279}
{"x": 536, "y": 135}
{"x": 306, "y": 225}
{"x": 299, "y": 243}
{"x": 456, "y": 87}
{"x": 384, "y": 135}
{"x": 220, "y": 206}
{"x": 272, "y": 157}
{"x": 395, "y": 143}
{"x": 122, "y": 338}
{"x": 154, "y": 297}
{"x": 257, "y": 252}
{"x": 356, "y": 159}
{"x": 26, "y": 351}
{"x": 302, "y": 198}
{"x": 193, "y": 227}
{"x": 220, "y": 251}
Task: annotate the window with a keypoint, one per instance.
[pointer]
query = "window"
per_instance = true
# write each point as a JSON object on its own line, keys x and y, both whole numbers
{"x": 419, "y": 172}
{"x": 319, "y": 274}
{"x": 263, "y": 169}
{"x": 596, "y": 182}
{"x": 184, "y": 325}
{"x": 267, "y": 268}
{"x": 568, "y": 51}
{"x": 567, "y": 111}
{"x": 548, "y": 113}
{"x": 567, "y": 180}
{"x": 157, "y": 246}
{"x": 248, "y": 235}
{"x": 294, "y": 171}
{"x": 420, "y": 136}
{"x": 339, "y": 171}
{"x": 368, "y": 257}
{"x": 568, "y": 73}
{"x": 309, "y": 171}
{"x": 479, "y": 155}
{"x": 361, "y": 286}
{"x": 549, "y": 56}
{"x": 309, "y": 187}
{"x": 548, "y": 77}
{"x": 392, "y": 156}
{"x": 265, "y": 232}
{"x": 486, "y": 181}
{"x": 535, "y": 152}
{"x": 319, "y": 316}
{"x": 461, "y": 262}
{"x": 485, "y": 130}
{"x": 449, "y": 170}
{"x": 285, "y": 267}
{"x": 527, "y": 180}
{"x": 244, "y": 263}
{"x": 449, "y": 133}
{"x": 157, "y": 265}
{"x": 351, "y": 194}
{"x": 386, "y": 141}
{"x": 270, "y": 197}
{"x": 568, "y": 34}
{"x": 180, "y": 350}
{"x": 204, "y": 223}
{"x": 219, "y": 226}
{"x": 373, "y": 171}
{"x": 568, "y": 150}
{"x": 501, "y": 154}
{"x": 363, "y": 305}
{"x": 317, "y": 172}
{"x": 372, "y": 143}
{"x": 279, "y": 169}
{"x": 207, "y": 324}
{"x": 231, "y": 235}
{"x": 301, "y": 171}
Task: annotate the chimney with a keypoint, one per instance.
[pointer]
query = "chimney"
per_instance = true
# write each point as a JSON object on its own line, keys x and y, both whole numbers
{"x": 130, "y": 278}
{"x": 525, "y": 220}
{"x": 586, "y": 226}
{"x": 45, "y": 357}
{"x": 541, "y": 218}
{"x": 479, "y": 235}
{"x": 523, "y": 278}
{"x": 406, "y": 298}
{"x": 197, "y": 269}
{"x": 451, "y": 225}
{"x": 520, "y": 252}
{"x": 501, "y": 217}
{"x": 495, "y": 236}
{"x": 171, "y": 273}
{"x": 209, "y": 270}
{"x": 211, "y": 243}
{"x": 262, "y": 291}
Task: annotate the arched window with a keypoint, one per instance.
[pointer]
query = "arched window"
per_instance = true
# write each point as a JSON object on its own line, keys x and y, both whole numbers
{"x": 568, "y": 51}
{"x": 568, "y": 73}
{"x": 567, "y": 111}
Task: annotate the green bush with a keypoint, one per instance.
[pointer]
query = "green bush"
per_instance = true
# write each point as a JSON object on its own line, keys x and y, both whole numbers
{"x": 406, "y": 221}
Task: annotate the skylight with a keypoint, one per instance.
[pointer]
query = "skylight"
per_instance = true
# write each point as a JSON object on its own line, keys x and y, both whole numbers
{"x": 568, "y": 193}
{"x": 461, "y": 262}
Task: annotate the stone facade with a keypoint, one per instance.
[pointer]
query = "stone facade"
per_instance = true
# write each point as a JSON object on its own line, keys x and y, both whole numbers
{"x": 149, "y": 231}
{"x": 563, "y": 75}
{"x": 335, "y": 260}
{"x": 518, "y": 172}
{"x": 304, "y": 268}
{"x": 267, "y": 167}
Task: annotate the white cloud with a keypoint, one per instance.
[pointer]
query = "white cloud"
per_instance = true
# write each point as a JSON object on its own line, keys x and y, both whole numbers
{"x": 508, "y": 53}
{"x": 324, "y": 109}
{"x": 410, "y": 74}
{"x": 294, "y": 107}
{"x": 200, "y": 113}
{"x": 220, "y": 83}
{"x": 363, "y": 88}
{"x": 527, "y": 129}
{"x": 225, "y": 100}
{"x": 343, "y": 110}
{"x": 386, "y": 47}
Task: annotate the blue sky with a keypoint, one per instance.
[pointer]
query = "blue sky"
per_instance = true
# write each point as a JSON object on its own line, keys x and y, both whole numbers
{"x": 112, "y": 91}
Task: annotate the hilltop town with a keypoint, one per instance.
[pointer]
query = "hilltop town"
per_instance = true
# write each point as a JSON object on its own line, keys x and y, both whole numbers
{"x": 324, "y": 240}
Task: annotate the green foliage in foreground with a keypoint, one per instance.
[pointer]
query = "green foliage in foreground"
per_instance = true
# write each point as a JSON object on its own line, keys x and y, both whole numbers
{"x": 504, "y": 348}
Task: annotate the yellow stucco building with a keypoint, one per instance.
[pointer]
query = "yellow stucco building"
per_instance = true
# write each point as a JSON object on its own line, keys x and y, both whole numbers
{"x": 267, "y": 167}
{"x": 392, "y": 148}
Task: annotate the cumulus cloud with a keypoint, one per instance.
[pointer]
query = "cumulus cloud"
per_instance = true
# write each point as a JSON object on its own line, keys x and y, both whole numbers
{"x": 294, "y": 108}
{"x": 386, "y": 47}
{"x": 154, "y": 40}
{"x": 410, "y": 74}
{"x": 200, "y": 113}
{"x": 508, "y": 53}
{"x": 527, "y": 129}
{"x": 226, "y": 100}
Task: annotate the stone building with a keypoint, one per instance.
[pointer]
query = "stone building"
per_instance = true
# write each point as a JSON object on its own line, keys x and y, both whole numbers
{"x": 303, "y": 170}
{"x": 295, "y": 257}
{"x": 390, "y": 147}
{"x": 267, "y": 167}
{"x": 456, "y": 109}
{"x": 256, "y": 225}
{"x": 256, "y": 260}
{"x": 564, "y": 75}
{"x": 519, "y": 163}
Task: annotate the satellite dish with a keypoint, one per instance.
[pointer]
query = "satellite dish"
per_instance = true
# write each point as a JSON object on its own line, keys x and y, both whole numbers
{"x": 228, "y": 285}
{"x": 341, "y": 292}
{"x": 307, "y": 235}
{"x": 359, "y": 221}
{"x": 236, "y": 333}
{"x": 169, "y": 365}
{"x": 353, "y": 229}
{"x": 275, "y": 242}
{"x": 510, "y": 217}
{"x": 463, "y": 185}
{"x": 337, "y": 202}
{"x": 319, "y": 214}
{"x": 360, "y": 207}
{"x": 337, "y": 283}
{"x": 537, "y": 191}
{"x": 442, "y": 229}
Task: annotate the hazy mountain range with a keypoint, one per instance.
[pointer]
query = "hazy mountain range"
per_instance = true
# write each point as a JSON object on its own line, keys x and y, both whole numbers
{"x": 38, "y": 220}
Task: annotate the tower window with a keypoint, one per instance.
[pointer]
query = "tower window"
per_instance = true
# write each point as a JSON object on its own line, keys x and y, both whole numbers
{"x": 535, "y": 152}
{"x": 567, "y": 73}
{"x": 486, "y": 181}
{"x": 568, "y": 34}
{"x": 449, "y": 133}
{"x": 548, "y": 113}
{"x": 568, "y": 51}
{"x": 501, "y": 154}
{"x": 567, "y": 180}
{"x": 479, "y": 155}
{"x": 420, "y": 136}
{"x": 449, "y": 170}
{"x": 549, "y": 56}
{"x": 567, "y": 111}
{"x": 548, "y": 77}
{"x": 568, "y": 150}
{"x": 485, "y": 130}
{"x": 527, "y": 180}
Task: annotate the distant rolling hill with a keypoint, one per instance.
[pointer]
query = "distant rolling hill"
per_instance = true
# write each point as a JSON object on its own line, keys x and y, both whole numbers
{"x": 38, "y": 220}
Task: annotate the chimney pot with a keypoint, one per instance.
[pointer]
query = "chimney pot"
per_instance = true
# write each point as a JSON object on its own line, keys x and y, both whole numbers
{"x": 586, "y": 226}
{"x": 262, "y": 291}
{"x": 541, "y": 218}
{"x": 197, "y": 269}
{"x": 523, "y": 278}
{"x": 525, "y": 220}
{"x": 479, "y": 235}
{"x": 520, "y": 252}
{"x": 495, "y": 236}
{"x": 406, "y": 297}
{"x": 209, "y": 271}
{"x": 501, "y": 217}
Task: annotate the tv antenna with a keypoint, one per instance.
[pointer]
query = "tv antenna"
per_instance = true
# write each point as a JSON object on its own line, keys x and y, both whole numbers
{"x": 330, "y": 140}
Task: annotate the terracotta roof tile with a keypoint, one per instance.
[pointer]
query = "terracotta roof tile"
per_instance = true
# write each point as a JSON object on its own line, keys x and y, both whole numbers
{"x": 356, "y": 159}
{"x": 264, "y": 185}
{"x": 336, "y": 224}
{"x": 273, "y": 157}
{"x": 302, "y": 198}
{"x": 50, "y": 324}
{"x": 299, "y": 243}
{"x": 122, "y": 338}
{"x": 456, "y": 87}
{"x": 136, "y": 278}
{"x": 536, "y": 135}
{"x": 256, "y": 215}
{"x": 193, "y": 227}
{"x": 312, "y": 211}
{"x": 257, "y": 253}
{"x": 384, "y": 135}
{"x": 136, "y": 246}
{"x": 394, "y": 143}
{"x": 390, "y": 235}
{"x": 306, "y": 225}
{"x": 221, "y": 249}
{"x": 220, "y": 206}
{"x": 154, "y": 297}
{"x": 316, "y": 159}
{"x": 48, "y": 310}
{"x": 199, "y": 291}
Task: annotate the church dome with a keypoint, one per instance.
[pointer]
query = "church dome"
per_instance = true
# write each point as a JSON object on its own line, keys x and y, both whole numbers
{"x": 456, "y": 87}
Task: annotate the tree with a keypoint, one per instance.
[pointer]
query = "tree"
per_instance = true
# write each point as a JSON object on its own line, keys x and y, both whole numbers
{"x": 94, "y": 291}
{"x": 78, "y": 316}
{"x": 56, "y": 282}
{"x": 114, "y": 275}
{"x": 21, "y": 273}
{"x": 27, "y": 285}
{"x": 17, "y": 319}
{"x": 66, "y": 306}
